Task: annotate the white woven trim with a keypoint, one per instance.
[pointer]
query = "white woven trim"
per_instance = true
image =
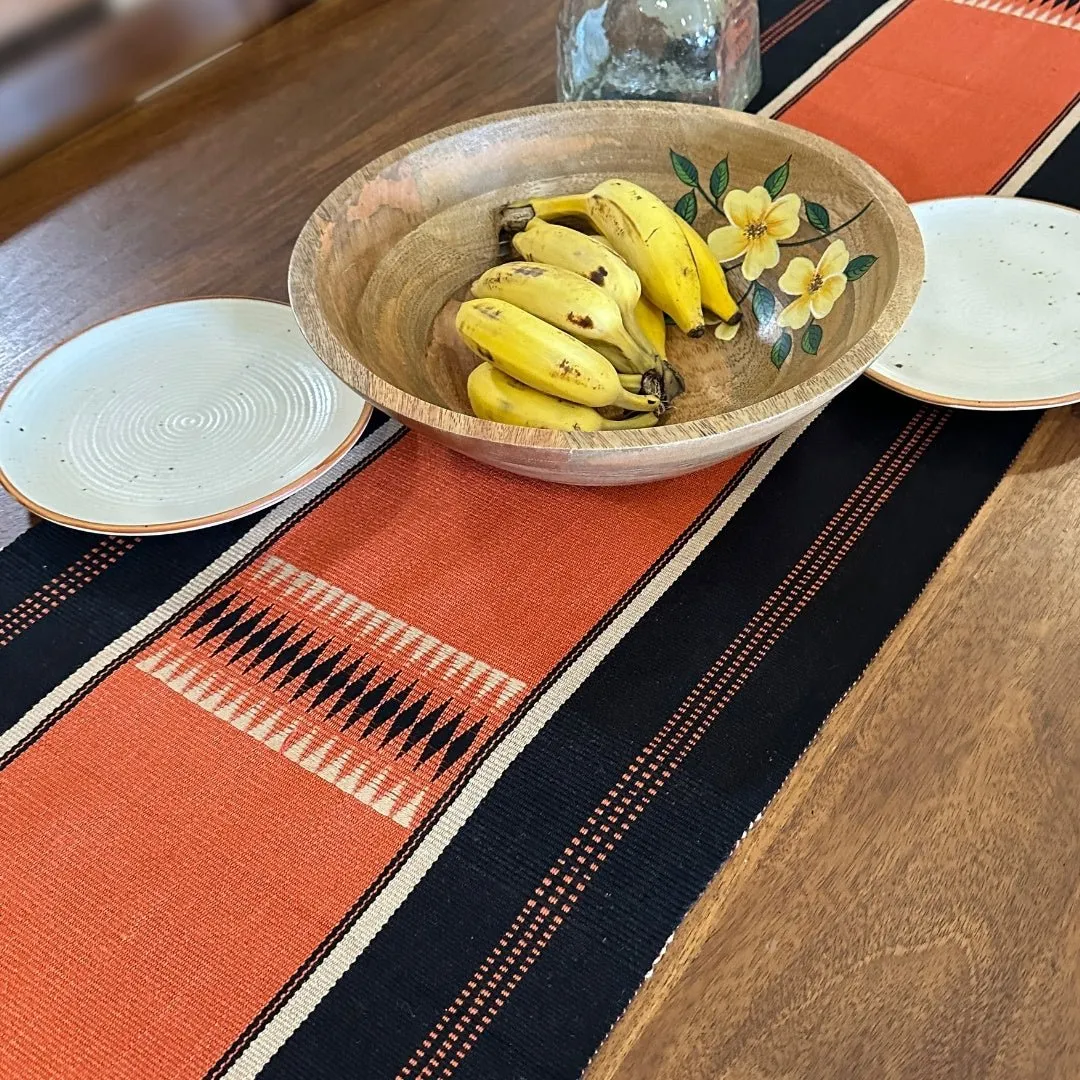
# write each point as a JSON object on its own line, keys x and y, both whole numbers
{"x": 219, "y": 568}
{"x": 338, "y": 960}
{"x": 832, "y": 57}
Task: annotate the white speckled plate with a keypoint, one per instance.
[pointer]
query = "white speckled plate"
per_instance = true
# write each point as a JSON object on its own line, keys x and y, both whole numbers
{"x": 174, "y": 417}
{"x": 997, "y": 324}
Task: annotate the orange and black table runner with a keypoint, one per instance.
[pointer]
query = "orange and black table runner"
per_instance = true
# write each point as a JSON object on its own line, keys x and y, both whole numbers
{"x": 414, "y": 775}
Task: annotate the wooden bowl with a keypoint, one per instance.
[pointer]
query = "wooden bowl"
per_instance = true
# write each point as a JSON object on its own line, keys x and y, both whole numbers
{"x": 380, "y": 267}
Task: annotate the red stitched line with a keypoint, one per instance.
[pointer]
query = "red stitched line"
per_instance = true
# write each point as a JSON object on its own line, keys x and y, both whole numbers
{"x": 830, "y": 545}
{"x": 914, "y": 428}
{"x": 740, "y": 678}
{"x": 792, "y": 20}
{"x": 68, "y": 582}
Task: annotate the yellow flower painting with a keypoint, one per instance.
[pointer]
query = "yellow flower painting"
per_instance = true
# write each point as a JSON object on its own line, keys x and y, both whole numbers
{"x": 816, "y": 288}
{"x": 757, "y": 222}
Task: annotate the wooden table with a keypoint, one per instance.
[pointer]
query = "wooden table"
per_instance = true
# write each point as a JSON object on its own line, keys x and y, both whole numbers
{"x": 910, "y": 904}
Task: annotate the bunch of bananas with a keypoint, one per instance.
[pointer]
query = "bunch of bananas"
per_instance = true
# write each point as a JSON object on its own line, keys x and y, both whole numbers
{"x": 573, "y": 336}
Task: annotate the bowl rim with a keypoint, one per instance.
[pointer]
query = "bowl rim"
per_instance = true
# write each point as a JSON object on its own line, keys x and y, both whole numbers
{"x": 418, "y": 411}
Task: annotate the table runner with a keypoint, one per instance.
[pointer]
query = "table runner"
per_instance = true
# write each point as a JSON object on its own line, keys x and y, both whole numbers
{"x": 414, "y": 775}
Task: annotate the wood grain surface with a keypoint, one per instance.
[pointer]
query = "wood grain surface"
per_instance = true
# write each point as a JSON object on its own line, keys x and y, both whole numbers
{"x": 909, "y": 906}
{"x": 203, "y": 189}
{"x": 83, "y": 61}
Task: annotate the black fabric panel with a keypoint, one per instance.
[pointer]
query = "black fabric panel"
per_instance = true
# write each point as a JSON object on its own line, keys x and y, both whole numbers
{"x": 1057, "y": 179}
{"x": 49, "y": 650}
{"x": 44, "y": 654}
{"x": 668, "y": 857}
{"x": 385, "y": 1005}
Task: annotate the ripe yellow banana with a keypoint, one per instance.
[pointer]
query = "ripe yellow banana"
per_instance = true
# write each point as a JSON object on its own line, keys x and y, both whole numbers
{"x": 496, "y": 396}
{"x": 570, "y": 208}
{"x": 593, "y": 258}
{"x": 643, "y": 231}
{"x": 616, "y": 359}
{"x": 650, "y": 239}
{"x": 564, "y": 299}
{"x": 544, "y": 357}
{"x": 653, "y": 383}
{"x": 714, "y": 290}
{"x": 651, "y": 320}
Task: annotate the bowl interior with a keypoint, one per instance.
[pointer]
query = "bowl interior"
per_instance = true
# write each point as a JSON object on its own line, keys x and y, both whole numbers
{"x": 383, "y": 264}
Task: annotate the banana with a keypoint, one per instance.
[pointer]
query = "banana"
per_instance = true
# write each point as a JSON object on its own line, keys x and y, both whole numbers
{"x": 643, "y": 231}
{"x": 651, "y": 320}
{"x": 593, "y": 258}
{"x": 496, "y": 396}
{"x": 653, "y": 383}
{"x": 714, "y": 291}
{"x": 564, "y": 299}
{"x": 516, "y": 216}
{"x": 616, "y": 359}
{"x": 544, "y": 357}
{"x": 649, "y": 238}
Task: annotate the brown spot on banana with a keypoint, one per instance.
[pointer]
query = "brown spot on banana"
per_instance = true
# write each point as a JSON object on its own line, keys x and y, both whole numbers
{"x": 579, "y": 320}
{"x": 598, "y": 275}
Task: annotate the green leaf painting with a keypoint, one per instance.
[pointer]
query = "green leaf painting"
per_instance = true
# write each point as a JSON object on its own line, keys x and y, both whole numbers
{"x": 718, "y": 182}
{"x": 781, "y": 350}
{"x": 687, "y": 207}
{"x": 818, "y": 216}
{"x": 763, "y": 303}
{"x": 685, "y": 169}
{"x": 777, "y": 180}
{"x": 858, "y": 266}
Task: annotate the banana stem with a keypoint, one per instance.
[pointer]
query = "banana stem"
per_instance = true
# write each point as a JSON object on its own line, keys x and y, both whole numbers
{"x": 515, "y": 217}
{"x": 673, "y": 382}
{"x": 636, "y": 402}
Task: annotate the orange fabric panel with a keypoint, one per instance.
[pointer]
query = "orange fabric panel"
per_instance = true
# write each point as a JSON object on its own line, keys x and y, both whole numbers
{"x": 512, "y": 570}
{"x": 167, "y": 873}
{"x": 164, "y": 876}
{"x": 944, "y": 98}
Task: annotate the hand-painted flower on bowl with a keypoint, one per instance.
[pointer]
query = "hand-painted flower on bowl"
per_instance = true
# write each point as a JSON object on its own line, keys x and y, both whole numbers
{"x": 817, "y": 288}
{"x": 757, "y": 223}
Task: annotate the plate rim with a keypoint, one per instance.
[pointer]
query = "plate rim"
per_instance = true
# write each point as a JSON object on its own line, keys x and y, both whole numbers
{"x": 205, "y": 520}
{"x": 977, "y": 404}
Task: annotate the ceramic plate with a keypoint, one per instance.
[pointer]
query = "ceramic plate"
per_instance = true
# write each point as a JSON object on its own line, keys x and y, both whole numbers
{"x": 174, "y": 417}
{"x": 997, "y": 324}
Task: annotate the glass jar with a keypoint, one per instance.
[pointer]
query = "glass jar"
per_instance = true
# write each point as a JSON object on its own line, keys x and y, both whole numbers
{"x": 702, "y": 51}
